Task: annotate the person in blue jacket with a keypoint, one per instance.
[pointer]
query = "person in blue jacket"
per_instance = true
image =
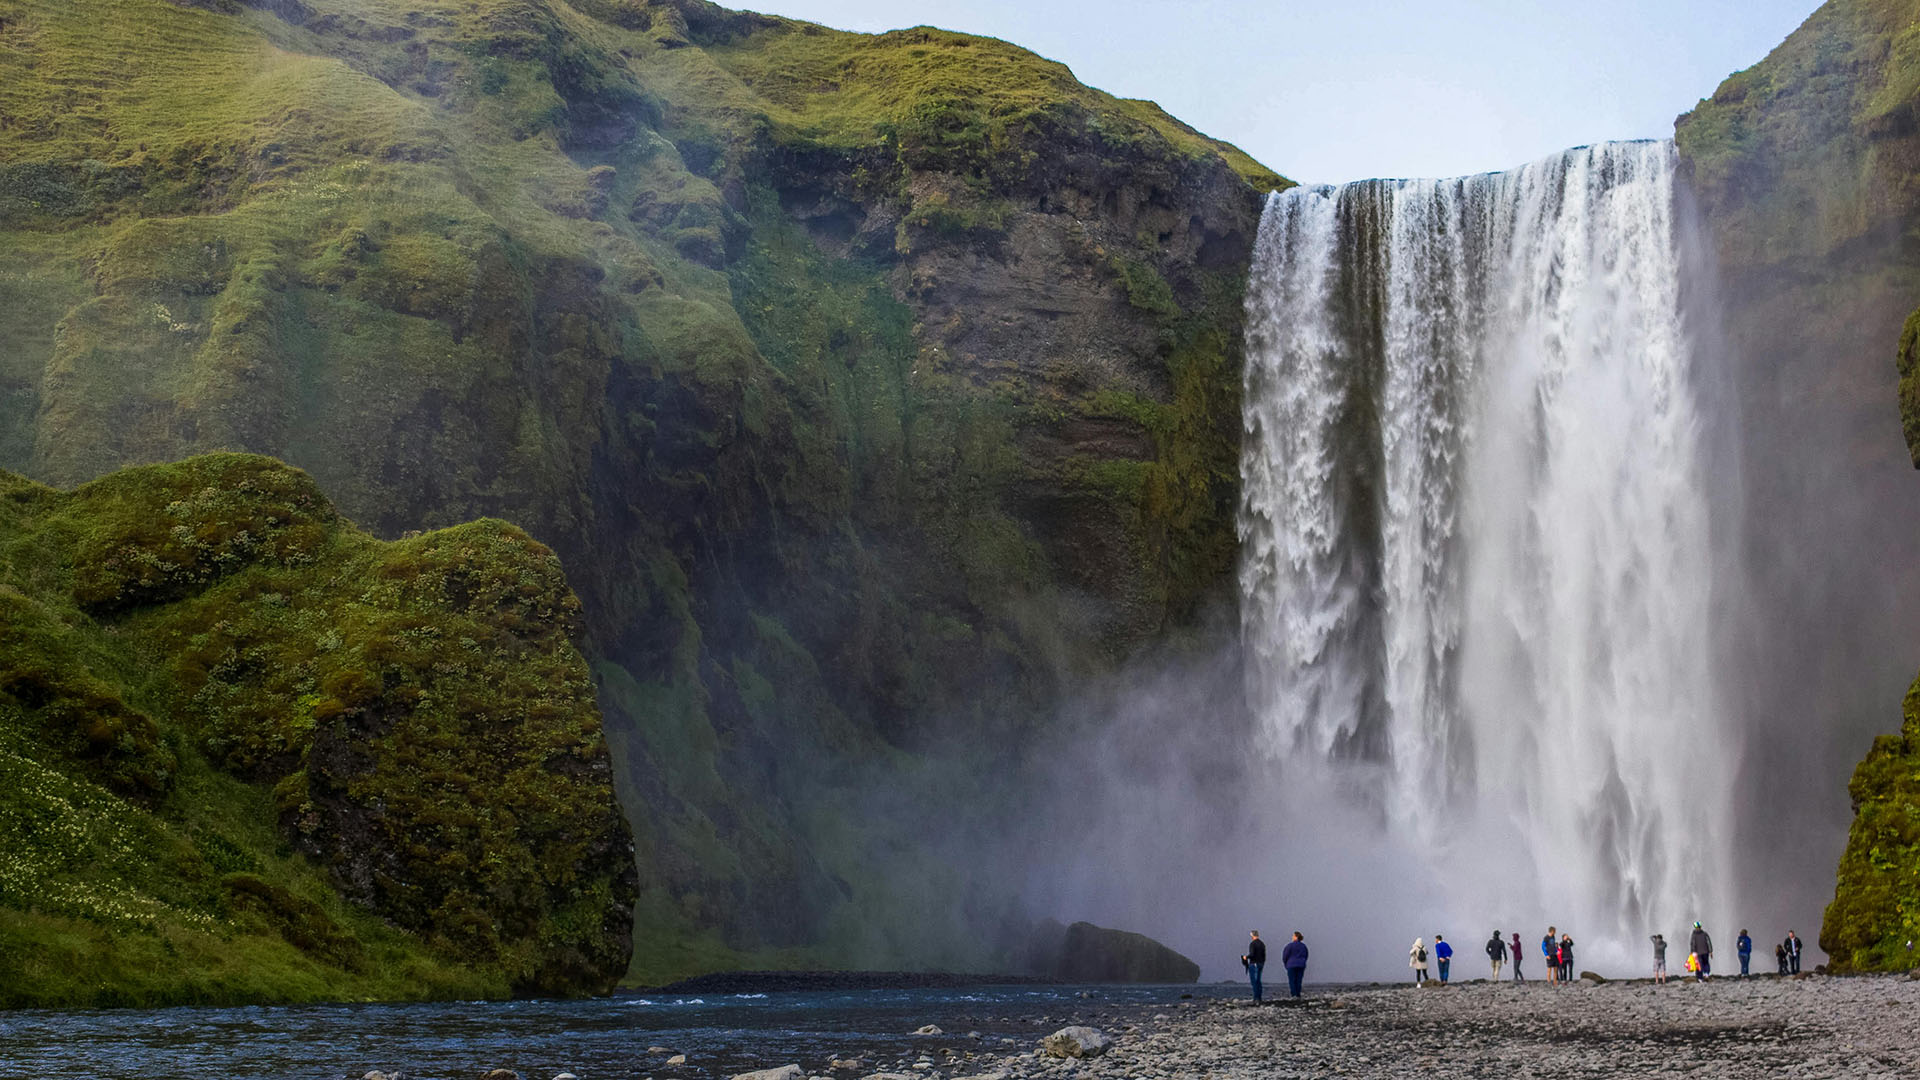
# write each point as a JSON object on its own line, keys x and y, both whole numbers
{"x": 1550, "y": 951}
{"x": 1744, "y": 946}
{"x": 1293, "y": 957}
{"x": 1445, "y": 952}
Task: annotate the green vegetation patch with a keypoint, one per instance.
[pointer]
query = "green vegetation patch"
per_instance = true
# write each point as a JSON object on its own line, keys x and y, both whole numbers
{"x": 1875, "y": 912}
{"x": 232, "y": 726}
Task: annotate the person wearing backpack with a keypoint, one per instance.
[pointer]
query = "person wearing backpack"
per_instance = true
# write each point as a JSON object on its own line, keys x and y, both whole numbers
{"x": 1496, "y": 953}
{"x": 1417, "y": 960}
{"x": 1445, "y": 952}
{"x": 1744, "y": 946}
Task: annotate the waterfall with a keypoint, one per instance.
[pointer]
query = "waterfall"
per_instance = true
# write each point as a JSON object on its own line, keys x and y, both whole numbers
{"x": 1477, "y": 572}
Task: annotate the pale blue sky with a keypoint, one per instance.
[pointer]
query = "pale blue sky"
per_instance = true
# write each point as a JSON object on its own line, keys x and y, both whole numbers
{"x": 1345, "y": 89}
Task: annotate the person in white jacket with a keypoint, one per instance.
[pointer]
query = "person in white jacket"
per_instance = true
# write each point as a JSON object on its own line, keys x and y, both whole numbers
{"x": 1417, "y": 960}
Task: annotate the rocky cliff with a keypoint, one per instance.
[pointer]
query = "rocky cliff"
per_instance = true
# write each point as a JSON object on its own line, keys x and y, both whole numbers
{"x": 251, "y": 753}
{"x": 1805, "y": 171}
{"x": 871, "y": 388}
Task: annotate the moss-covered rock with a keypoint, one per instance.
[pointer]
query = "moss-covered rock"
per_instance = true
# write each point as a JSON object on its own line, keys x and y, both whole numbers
{"x": 1875, "y": 914}
{"x": 871, "y": 387}
{"x": 229, "y": 719}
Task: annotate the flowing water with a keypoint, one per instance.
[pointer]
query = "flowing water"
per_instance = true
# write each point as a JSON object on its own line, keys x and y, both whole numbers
{"x": 596, "y": 1039}
{"x": 1477, "y": 571}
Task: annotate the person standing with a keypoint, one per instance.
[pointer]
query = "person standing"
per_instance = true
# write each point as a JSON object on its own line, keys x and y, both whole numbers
{"x": 1255, "y": 959}
{"x": 1780, "y": 956}
{"x": 1444, "y": 952}
{"x": 1496, "y": 953}
{"x": 1550, "y": 951}
{"x": 1293, "y": 957}
{"x": 1417, "y": 960}
{"x": 1793, "y": 953}
{"x": 1659, "y": 960}
{"x": 1566, "y": 957}
{"x": 1702, "y": 947}
{"x": 1517, "y": 953}
{"x": 1743, "y": 945}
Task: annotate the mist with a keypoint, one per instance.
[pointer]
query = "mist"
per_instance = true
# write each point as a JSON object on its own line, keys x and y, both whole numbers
{"x": 1168, "y": 804}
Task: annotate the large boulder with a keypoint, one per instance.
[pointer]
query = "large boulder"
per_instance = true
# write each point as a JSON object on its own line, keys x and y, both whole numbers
{"x": 1085, "y": 953}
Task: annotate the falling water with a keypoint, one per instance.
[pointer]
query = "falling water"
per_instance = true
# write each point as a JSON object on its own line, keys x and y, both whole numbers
{"x": 1477, "y": 569}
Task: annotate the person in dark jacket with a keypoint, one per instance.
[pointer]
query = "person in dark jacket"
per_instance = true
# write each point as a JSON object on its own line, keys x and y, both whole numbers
{"x": 1496, "y": 953}
{"x": 1566, "y": 957}
{"x": 1780, "y": 956}
{"x": 1294, "y": 958}
{"x": 1743, "y": 945}
{"x": 1659, "y": 959}
{"x": 1255, "y": 959}
{"x": 1550, "y": 952}
{"x": 1702, "y": 948}
{"x": 1793, "y": 953}
{"x": 1445, "y": 953}
{"x": 1517, "y": 954}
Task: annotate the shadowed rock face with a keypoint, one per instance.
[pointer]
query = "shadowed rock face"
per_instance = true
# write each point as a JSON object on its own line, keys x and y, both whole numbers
{"x": 870, "y": 387}
{"x": 1802, "y": 169}
{"x": 1085, "y": 953}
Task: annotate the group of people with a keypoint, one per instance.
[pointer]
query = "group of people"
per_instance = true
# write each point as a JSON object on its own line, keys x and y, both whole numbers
{"x": 1556, "y": 951}
{"x": 1293, "y": 957}
{"x": 1786, "y": 954}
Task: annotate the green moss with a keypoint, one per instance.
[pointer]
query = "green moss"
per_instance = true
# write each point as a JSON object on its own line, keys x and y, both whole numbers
{"x": 1907, "y": 364}
{"x": 1875, "y": 912}
{"x": 225, "y": 716}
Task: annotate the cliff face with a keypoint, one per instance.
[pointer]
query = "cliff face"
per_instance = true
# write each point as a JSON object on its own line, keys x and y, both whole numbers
{"x": 251, "y": 753}
{"x": 870, "y": 387}
{"x": 1806, "y": 170}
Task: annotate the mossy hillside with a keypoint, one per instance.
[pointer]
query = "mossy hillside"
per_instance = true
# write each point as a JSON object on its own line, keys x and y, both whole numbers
{"x": 304, "y": 763}
{"x": 1805, "y": 166}
{"x": 1875, "y": 913}
{"x": 766, "y": 369}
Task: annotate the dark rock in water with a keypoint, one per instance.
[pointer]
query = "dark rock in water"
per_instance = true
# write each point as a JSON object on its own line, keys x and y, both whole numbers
{"x": 1084, "y": 952}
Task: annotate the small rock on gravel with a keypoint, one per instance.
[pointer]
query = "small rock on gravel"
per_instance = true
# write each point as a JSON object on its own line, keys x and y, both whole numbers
{"x": 784, "y": 1072}
{"x": 928, "y": 1029}
{"x": 1076, "y": 1042}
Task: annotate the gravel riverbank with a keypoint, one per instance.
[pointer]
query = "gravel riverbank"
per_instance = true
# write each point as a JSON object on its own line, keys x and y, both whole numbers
{"x": 1812, "y": 1026}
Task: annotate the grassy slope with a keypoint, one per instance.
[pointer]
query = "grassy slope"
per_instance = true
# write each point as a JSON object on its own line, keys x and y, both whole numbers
{"x": 1809, "y": 167}
{"x": 519, "y": 258}
{"x": 252, "y": 754}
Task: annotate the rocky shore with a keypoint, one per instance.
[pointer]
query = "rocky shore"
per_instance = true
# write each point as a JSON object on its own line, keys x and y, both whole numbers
{"x": 1811, "y": 1026}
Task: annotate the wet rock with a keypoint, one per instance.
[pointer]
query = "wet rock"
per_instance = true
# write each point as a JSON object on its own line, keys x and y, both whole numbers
{"x": 658, "y": 1050}
{"x": 928, "y": 1029}
{"x": 784, "y": 1072}
{"x": 500, "y": 1074}
{"x": 1593, "y": 977}
{"x": 677, "y": 1059}
{"x": 1076, "y": 1042}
